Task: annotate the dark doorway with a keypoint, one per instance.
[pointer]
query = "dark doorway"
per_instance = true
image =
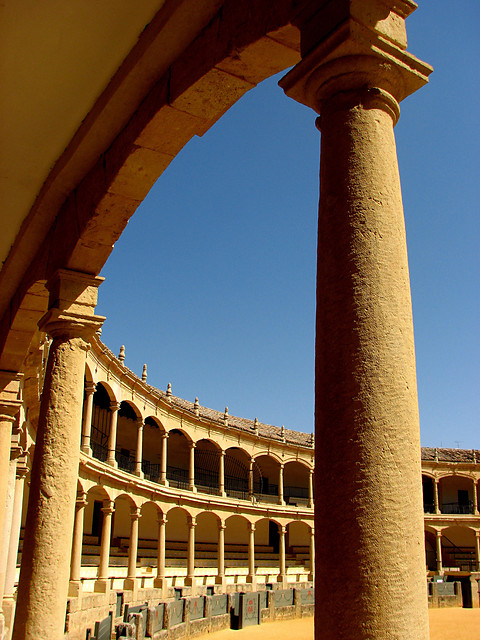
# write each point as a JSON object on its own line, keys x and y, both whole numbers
{"x": 273, "y": 536}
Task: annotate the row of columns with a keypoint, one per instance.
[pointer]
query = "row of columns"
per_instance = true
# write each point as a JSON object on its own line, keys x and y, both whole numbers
{"x": 102, "y": 582}
{"x": 438, "y": 540}
{"x": 115, "y": 406}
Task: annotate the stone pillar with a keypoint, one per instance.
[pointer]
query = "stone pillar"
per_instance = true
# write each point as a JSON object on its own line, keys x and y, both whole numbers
{"x": 15, "y": 531}
{"x": 477, "y": 550}
{"x": 87, "y": 418}
{"x": 112, "y": 435}
{"x": 439, "y": 551}
{"x": 163, "y": 464}
{"x": 10, "y": 472}
{"x": 220, "y": 579}
{"x": 475, "y": 497}
{"x": 250, "y": 479}
{"x": 251, "y": 555}
{"x": 367, "y": 428}
{"x": 191, "y": 467}
{"x": 436, "y": 502}
{"x": 310, "y": 489}
{"x": 221, "y": 474}
{"x": 311, "y": 575}
{"x": 9, "y": 406}
{"x": 131, "y": 581}
{"x": 139, "y": 450}
{"x": 280, "y": 484}
{"x": 282, "y": 576}
{"x": 159, "y": 582}
{"x": 45, "y": 570}
{"x": 10, "y": 574}
{"x": 190, "y": 579}
{"x": 74, "y": 588}
{"x": 101, "y": 583}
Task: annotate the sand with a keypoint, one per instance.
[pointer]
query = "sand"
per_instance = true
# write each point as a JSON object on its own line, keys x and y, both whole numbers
{"x": 445, "y": 624}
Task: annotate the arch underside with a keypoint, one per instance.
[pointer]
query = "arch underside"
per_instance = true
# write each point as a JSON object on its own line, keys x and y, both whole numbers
{"x": 93, "y": 191}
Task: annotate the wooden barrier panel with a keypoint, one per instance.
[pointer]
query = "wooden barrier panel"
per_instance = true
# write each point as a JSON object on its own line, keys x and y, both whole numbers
{"x": 103, "y": 629}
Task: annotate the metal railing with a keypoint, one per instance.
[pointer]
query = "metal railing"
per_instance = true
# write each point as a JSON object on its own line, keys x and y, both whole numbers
{"x": 456, "y": 508}
{"x": 99, "y": 451}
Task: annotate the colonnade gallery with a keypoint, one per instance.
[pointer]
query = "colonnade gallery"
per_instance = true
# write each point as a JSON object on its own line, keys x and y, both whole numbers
{"x": 115, "y": 487}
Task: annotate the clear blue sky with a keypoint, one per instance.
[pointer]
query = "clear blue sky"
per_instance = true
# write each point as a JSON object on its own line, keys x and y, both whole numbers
{"x": 213, "y": 282}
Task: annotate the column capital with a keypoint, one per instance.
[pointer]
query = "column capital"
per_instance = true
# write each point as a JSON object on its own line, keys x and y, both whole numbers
{"x": 164, "y": 435}
{"x": 135, "y": 513}
{"x": 192, "y": 445}
{"x": 114, "y": 405}
{"x": 81, "y": 501}
{"x": 251, "y": 526}
{"x": 192, "y": 522}
{"x": 140, "y": 423}
{"x": 10, "y": 401}
{"x": 72, "y": 301}
{"x": 283, "y": 529}
{"x": 364, "y": 50}
{"x": 90, "y": 388}
{"x": 222, "y": 526}
{"x": 477, "y": 533}
{"x": 108, "y": 507}
{"x": 161, "y": 519}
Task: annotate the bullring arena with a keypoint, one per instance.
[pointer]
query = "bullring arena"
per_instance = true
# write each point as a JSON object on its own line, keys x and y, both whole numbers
{"x": 126, "y": 507}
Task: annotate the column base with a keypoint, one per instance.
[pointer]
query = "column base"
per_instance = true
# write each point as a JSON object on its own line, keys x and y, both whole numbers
{"x": 75, "y": 589}
{"x": 251, "y": 580}
{"x": 220, "y": 580}
{"x": 112, "y": 463}
{"x": 282, "y": 579}
{"x": 130, "y": 584}
{"x": 9, "y": 614}
{"x": 160, "y": 583}
{"x": 189, "y": 581}
{"x": 101, "y": 586}
{"x": 86, "y": 449}
{"x": 193, "y": 489}
{"x": 139, "y": 474}
{"x": 310, "y": 577}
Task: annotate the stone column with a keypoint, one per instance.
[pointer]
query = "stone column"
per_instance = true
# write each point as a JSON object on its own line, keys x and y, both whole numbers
{"x": 10, "y": 472}
{"x": 10, "y": 574}
{"x": 74, "y": 588}
{"x": 436, "y": 501}
{"x": 163, "y": 464}
{"x": 112, "y": 435}
{"x": 159, "y": 582}
{"x": 250, "y": 479}
{"x": 251, "y": 555}
{"x": 101, "y": 583}
{"x": 311, "y": 575}
{"x": 15, "y": 531}
{"x": 190, "y": 579}
{"x": 139, "y": 450}
{"x": 87, "y": 418}
{"x": 45, "y": 570}
{"x": 220, "y": 579}
{"x": 280, "y": 484}
{"x": 282, "y": 576}
{"x": 221, "y": 474}
{"x": 477, "y": 549}
{"x": 310, "y": 489}
{"x": 9, "y": 406}
{"x": 191, "y": 467}
{"x": 439, "y": 551}
{"x": 475, "y": 497}
{"x": 367, "y": 428}
{"x": 131, "y": 581}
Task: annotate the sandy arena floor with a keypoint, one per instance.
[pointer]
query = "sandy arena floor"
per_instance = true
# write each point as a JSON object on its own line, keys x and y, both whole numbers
{"x": 445, "y": 624}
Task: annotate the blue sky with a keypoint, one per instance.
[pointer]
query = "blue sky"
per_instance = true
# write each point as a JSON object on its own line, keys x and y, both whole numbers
{"x": 213, "y": 282}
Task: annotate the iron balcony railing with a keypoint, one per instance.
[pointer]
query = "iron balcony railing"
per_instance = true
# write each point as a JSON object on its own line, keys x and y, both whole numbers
{"x": 456, "y": 508}
{"x": 99, "y": 451}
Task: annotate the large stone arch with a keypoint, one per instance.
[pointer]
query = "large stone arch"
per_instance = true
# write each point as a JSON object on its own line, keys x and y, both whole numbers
{"x": 105, "y": 177}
